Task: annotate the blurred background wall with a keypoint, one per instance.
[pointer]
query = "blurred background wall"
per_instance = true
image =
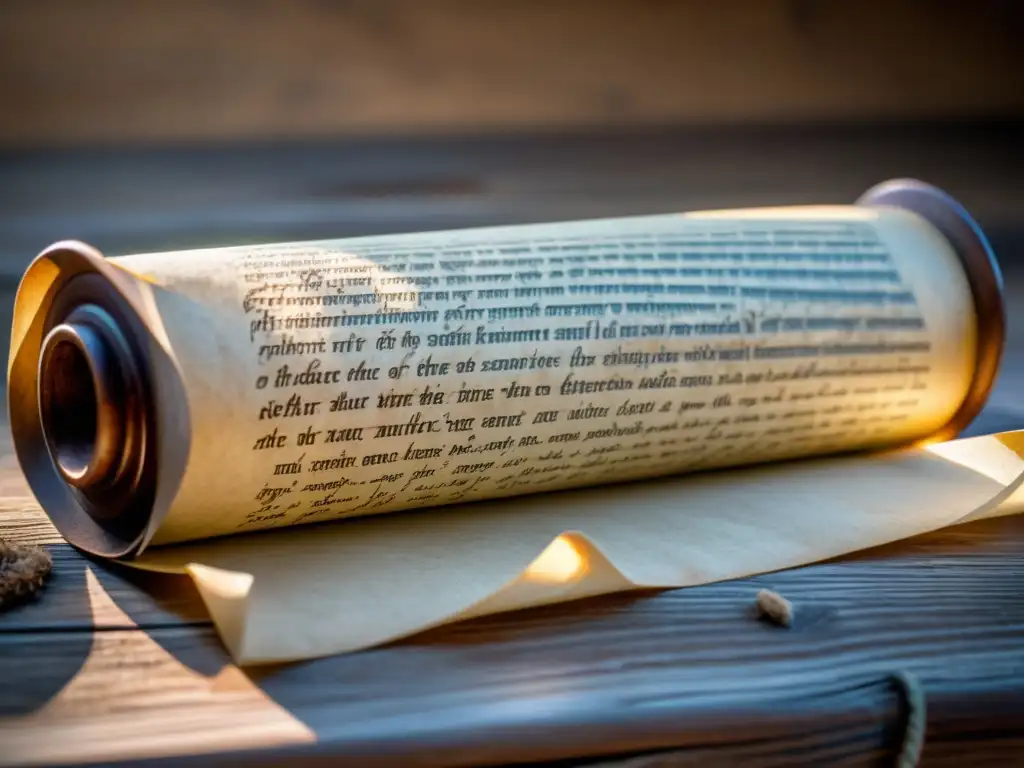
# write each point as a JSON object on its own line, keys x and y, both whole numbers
{"x": 143, "y": 70}
{"x": 160, "y": 124}
{"x": 118, "y": 71}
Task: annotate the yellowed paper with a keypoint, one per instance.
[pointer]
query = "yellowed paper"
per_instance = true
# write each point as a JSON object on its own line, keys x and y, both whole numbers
{"x": 460, "y": 379}
{"x": 312, "y": 591}
{"x": 463, "y": 366}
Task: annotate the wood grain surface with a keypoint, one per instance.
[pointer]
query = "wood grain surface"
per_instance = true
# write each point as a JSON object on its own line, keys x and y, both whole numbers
{"x": 105, "y": 668}
{"x": 118, "y": 71}
{"x": 113, "y": 666}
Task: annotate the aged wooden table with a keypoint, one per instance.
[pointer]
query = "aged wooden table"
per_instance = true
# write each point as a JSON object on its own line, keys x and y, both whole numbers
{"x": 112, "y": 666}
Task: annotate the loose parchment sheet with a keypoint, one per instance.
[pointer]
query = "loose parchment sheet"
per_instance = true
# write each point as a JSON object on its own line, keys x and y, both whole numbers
{"x": 453, "y": 378}
{"x": 307, "y": 592}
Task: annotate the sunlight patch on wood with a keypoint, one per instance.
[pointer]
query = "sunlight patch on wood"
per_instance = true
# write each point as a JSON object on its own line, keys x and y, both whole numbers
{"x": 222, "y": 711}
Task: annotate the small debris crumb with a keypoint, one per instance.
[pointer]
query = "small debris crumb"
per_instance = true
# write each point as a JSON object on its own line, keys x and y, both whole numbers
{"x": 774, "y": 607}
{"x": 23, "y": 570}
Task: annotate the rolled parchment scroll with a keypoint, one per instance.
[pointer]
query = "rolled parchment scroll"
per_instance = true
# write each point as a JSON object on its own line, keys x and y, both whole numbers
{"x": 158, "y": 399}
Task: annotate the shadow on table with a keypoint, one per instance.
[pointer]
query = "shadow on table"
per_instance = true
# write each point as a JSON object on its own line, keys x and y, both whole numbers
{"x": 81, "y": 626}
{"x": 638, "y": 672}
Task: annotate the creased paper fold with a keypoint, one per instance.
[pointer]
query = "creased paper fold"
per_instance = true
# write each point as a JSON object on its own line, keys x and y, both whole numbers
{"x": 339, "y": 587}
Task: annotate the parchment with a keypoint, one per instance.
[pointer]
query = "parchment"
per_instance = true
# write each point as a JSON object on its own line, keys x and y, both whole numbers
{"x": 314, "y": 591}
{"x": 425, "y": 408}
{"x": 302, "y": 383}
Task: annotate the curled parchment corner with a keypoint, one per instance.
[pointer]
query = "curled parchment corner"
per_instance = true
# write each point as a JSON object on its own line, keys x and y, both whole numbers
{"x": 225, "y": 594}
{"x": 570, "y": 567}
{"x": 318, "y": 590}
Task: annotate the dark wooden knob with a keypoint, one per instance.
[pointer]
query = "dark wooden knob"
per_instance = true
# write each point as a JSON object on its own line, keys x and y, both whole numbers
{"x": 83, "y": 388}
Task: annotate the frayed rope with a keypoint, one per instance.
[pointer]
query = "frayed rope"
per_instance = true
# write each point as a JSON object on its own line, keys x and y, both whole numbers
{"x": 23, "y": 571}
{"x": 916, "y": 720}
{"x": 780, "y": 611}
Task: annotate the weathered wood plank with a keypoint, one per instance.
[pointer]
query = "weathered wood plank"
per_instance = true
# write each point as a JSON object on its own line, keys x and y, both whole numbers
{"x": 177, "y": 197}
{"x": 677, "y": 678}
{"x": 133, "y": 70}
{"x": 85, "y": 697}
{"x": 620, "y": 675}
{"x": 663, "y": 679}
